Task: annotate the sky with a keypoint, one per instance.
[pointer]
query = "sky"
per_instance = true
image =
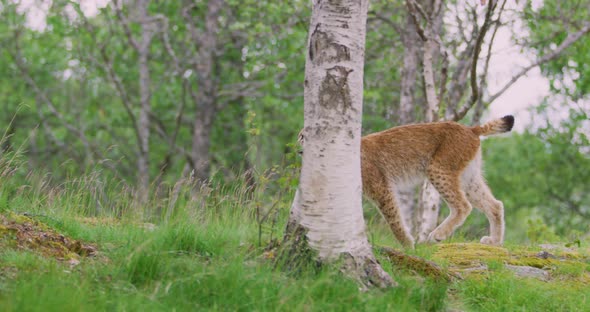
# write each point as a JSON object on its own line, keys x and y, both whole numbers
{"x": 506, "y": 61}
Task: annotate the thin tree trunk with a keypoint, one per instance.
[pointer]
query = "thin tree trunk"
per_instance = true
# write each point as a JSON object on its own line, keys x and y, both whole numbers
{"x": 412, "y": 44}
{"x": 431, "y": 113}
{"x": 326, "y": 216}
{"x": 426, "y": 214}
{"x": 201, "y": 144}
{"x": 205, "y": 99}
{"x": 143, "y": 49}
{"x": 429, "y": 206}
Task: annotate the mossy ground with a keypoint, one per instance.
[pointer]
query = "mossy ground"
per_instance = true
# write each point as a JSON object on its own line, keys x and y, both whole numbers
{"x": 473, "y": 258}
{"x": 219, "y": 267}
{"x": 21, "y": 232}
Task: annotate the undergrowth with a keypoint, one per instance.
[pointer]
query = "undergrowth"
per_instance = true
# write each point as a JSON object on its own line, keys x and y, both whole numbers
{"x": 204, "y": 247}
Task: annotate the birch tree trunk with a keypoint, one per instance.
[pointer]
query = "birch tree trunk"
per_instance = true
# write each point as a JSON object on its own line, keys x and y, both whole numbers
{"x": 143, "y": 49}
{"x": 205, "y": 100}
{"x": 326, "y": 215}
{"x": 411, "y": 43}
{"x": 429, "y": 202}
{"x": 426, "y": 214}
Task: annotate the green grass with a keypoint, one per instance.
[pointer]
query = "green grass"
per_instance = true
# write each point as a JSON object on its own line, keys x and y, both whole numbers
{"x": 206, "y": 252}
{"x": 504, "y": 292}
{"x": 186, "y": 267}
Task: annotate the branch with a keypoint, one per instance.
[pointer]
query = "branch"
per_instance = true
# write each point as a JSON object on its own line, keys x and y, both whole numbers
{"x": 478, "y": 44}
{"x": 161, "y": 131}
{"x": 108, "y": 67}
{"x": 436, "y": 8}
{"x": 458, "y": 81}
{"x": 420, "y": 9}
{"x": 167, "y": 47}
{"x": 25, "y": 72}
{"x": 125, "y": 24}
{"x": 461, "y": 28}
{"x": 412, "y": 7}
{"x": 477, "y": 49}
{"x": 194, "y": 32}
{"x": 571, "y": 39}
{"x": 479, "y": 108}
{"x": 387, "y": 21}
{"x": 120, "y": 88}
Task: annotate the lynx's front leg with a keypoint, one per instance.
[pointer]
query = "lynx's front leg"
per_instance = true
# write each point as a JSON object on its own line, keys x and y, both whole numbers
{"x": 386, "y": 201}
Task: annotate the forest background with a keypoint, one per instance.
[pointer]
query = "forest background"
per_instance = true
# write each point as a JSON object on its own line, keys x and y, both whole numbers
{"x": 147, "y": 97}
{"x": 148, "y": 106}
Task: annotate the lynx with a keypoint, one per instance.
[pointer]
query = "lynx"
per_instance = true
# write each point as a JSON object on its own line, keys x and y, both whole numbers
{"x": 448, "y": 154}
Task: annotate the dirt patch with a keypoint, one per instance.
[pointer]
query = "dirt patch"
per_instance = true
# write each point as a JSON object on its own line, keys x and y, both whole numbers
{"x": 24, "y": 233}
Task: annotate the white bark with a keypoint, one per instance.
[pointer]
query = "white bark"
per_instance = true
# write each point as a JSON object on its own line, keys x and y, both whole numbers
{"x": 429, "y": 204}
{"x": 412, "y": 44}
{"x": 143, "y": 49}
{"x": 328, "y": 201}
{"x": 429, "y": 209}
{"x": 330, "y": 187}
{"x": 431, "y": 113}
{"x": 426, "y": 214}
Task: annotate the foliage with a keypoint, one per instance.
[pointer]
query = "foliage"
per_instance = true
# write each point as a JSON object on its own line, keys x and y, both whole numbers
{"x": 568, "y": 73}
{"x": 544, "y": 173}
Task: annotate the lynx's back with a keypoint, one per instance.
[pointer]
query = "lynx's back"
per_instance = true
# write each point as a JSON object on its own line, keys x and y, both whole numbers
{"x": 404, "y": 153}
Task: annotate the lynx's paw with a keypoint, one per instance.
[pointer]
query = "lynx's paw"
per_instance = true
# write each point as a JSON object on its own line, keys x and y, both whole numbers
{"x": 434, "y": 238}
{"x": 489, "y": 241}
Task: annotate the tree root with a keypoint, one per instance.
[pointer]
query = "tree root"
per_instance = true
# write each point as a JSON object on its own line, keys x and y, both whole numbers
{"x": 366, "y": 271}
{"x": 295, "y": 256}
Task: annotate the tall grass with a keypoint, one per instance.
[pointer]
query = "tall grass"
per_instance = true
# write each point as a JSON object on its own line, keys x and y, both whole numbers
{"x": 195, "y": 247}
{"x": 190, "y": 247}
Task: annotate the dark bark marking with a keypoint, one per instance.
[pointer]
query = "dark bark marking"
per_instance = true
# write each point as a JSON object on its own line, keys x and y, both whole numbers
{"x": 339, "y": 7}
{"x": 323, "y": 48}
{"x": 350, "y": 134}
{"x": 334, "y": 92}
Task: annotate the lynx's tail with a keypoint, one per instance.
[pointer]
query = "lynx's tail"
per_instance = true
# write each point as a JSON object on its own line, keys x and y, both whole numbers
{"x": 501, "y": 125}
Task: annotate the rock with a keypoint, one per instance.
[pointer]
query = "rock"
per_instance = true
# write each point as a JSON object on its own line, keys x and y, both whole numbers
{"x": 527, "y": 271}
{"x": 555, "y": 248}
{"x": 150, "y": 227}
{"x": 545, "y": 255}
{"x": 73, "y": 262}
{"x": 476, "y": 269}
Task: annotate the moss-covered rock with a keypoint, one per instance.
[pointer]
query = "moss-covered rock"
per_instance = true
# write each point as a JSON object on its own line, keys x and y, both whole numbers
{"x": 468, "y": 255}
{"x": 24, "y": 233}
{"x": 473, "y": 258}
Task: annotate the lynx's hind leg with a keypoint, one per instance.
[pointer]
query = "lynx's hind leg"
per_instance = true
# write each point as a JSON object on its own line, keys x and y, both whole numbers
{"x": 382, "y": 193}
{"x": 449, "y": 186}
{"x": 481, "y": 197}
